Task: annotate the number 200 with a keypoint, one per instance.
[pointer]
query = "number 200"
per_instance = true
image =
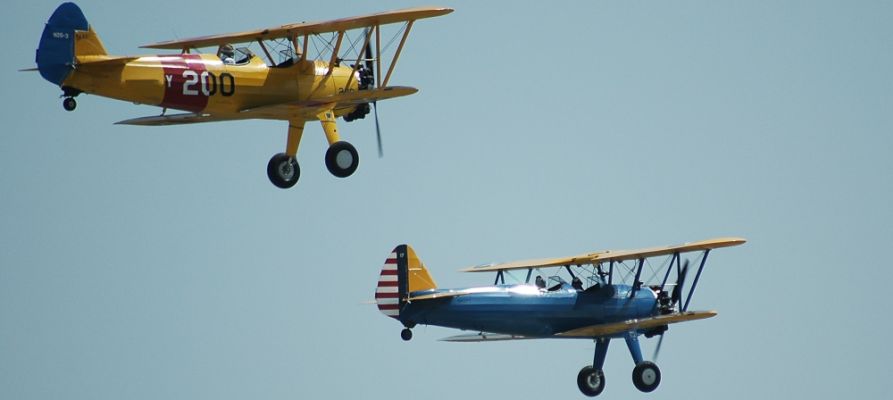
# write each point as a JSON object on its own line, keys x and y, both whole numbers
{"x": 208, "y": 83}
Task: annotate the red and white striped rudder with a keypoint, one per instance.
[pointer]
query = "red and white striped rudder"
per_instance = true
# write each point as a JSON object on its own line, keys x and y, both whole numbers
{"x": 387, "y": 293}
{"x": 402, "y": 274}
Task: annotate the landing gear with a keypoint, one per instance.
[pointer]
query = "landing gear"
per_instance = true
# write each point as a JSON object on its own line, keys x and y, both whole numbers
{"x": 591, "y": 381}
{"x": 342, "y": 159}
{"x": 283, "y": 171}
{"x": 406, "y": 334}
{"x": 646, "y": 376}
{"x": 69, "y": 104}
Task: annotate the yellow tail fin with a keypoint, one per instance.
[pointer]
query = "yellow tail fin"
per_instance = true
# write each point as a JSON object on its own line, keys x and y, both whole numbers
{"x": 418, "y": 276}
{"x": 87, "y": 43}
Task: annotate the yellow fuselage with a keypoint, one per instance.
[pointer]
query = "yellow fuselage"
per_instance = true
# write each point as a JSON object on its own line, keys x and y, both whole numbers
{"x": 203, "y": 83}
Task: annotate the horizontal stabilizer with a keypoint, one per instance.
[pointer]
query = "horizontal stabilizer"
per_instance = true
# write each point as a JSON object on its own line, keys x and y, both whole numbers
{"x": 483, "y": 337}
{"x": 613, "y": 328}
{"x": 441, "y": 295}
{"x": 102, "y": 61}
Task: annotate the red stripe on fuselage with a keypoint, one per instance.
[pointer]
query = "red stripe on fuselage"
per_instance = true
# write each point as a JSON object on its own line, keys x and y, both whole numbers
{"x": 183, "y": 81}
{"x": 389, "y": 272}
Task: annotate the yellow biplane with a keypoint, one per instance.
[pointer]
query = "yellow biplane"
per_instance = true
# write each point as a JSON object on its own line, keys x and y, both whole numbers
{"x": 299, "y": 72}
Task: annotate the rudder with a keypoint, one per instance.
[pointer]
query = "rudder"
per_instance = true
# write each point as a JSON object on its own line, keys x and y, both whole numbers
{"x": 66, "y": 36}
{"x": 403, "y": 273}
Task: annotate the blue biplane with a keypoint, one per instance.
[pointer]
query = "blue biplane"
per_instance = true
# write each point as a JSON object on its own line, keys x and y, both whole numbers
{"x": 599, "y": 296}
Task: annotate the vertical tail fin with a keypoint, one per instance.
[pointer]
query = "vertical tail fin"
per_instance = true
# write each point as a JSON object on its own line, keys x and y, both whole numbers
{"x": 66, "y": 36}
{"x": 403, "y": 273}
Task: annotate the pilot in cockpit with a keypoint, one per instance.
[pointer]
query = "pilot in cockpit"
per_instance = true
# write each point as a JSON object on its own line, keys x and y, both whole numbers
{"x": 540, "y": 282}
{"x": 227, "y": 54}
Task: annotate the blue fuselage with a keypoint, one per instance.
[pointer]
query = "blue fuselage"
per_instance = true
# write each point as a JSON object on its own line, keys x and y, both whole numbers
{"x": 529, "y": 311}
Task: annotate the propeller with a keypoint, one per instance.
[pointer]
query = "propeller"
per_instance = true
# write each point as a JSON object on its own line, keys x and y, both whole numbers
{"x": 675, "y": 297}
{"x": 657, "y": 349}
{"x": 677, "y": 290}
{"x": 370, "y": 65}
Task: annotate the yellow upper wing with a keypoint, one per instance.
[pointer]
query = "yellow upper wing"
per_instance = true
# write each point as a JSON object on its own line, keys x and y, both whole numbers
{"x": 305, "y": 28}
{"x": 604, "y": 256}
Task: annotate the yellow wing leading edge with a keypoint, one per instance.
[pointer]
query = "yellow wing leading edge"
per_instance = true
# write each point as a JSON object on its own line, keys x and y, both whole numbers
{"x": 305, "y": 28}
{"x": 610, "y": 255}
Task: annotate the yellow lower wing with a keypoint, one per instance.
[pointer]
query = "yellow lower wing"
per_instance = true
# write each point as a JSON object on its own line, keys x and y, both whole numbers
{"x": 634, "y": 324}
{"x": 302, "y": 110}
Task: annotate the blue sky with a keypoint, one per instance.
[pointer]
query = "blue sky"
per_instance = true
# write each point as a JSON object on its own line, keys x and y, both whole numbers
{"x": 152, "y": 263}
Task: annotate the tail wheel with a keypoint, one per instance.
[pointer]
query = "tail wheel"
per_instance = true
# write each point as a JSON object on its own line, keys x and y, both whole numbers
{"x": 406, "y": 334}
{"x": 69, "y": 104}
{"x": 591, "y": 381}
{"x": 283, "y": 171}
{"x": 646, "y": 376}
{"x": 342, "y": 159}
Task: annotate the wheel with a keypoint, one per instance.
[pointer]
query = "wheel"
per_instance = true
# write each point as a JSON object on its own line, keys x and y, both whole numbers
{"x": 591, "y": 381}
{"x": 406, "y": 334}
{"x": 69, "y": 104}
{"x": 646, "y": 376}
{"x": 283, "y": 171}
{"x": 342, "y": 159}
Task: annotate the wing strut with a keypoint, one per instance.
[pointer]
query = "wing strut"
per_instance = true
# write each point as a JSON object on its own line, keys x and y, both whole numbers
{"x": 636, "y": 284}
{"x": 670, "y": 268}
{"x": 695, "y": 283}
{"x": 397, "y": 55}
{"x": 356, "y": 65}
{"x": 335, "y": 53}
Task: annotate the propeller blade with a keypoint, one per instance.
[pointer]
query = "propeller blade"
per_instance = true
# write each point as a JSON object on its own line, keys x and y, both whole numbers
{"x": 378, "y": 131}
{"x": 657, "y": 349}
{"x": 369, "y": 64}
{"x": 677, "y": 290}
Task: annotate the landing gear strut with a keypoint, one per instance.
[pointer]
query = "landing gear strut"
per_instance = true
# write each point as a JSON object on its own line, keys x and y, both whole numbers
{"x": 591, "y": 379}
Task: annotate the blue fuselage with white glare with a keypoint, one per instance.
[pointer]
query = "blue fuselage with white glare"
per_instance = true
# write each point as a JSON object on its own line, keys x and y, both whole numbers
{"x": 528, "y": 310}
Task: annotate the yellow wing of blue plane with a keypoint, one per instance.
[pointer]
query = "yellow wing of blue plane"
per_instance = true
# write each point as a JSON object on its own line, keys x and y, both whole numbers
{"x": 593, "y": 331}
{"x": 609, "y": 255}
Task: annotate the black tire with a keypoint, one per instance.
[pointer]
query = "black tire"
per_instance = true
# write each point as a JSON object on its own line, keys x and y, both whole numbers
{"x": 646, "y": 376}
{"x": 342, "y": 159}
{"x": 591, "y": 381}
{"x": 69, "y": 104}
{"x": 283, "y": 171}
{"x": 406, "y": 334}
